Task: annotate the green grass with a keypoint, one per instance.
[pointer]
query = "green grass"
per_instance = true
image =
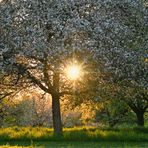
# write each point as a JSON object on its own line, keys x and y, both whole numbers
{"x": 75, "y": 137}
{"x": 71, "y": 144}
{"x": 8, "y": 146}
{"x": 74, "y": 134}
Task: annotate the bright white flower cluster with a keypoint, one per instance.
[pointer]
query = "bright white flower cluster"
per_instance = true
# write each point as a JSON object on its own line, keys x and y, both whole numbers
{"x": 114, "y": 31}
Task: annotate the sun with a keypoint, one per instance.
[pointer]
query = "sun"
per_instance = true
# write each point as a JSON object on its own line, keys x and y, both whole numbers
{"x": 73, "y": 72}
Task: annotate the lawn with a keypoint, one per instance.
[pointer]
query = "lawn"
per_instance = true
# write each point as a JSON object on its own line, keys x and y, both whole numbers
{"x": 45, "y": 144}
{"x": 74, "y": 137}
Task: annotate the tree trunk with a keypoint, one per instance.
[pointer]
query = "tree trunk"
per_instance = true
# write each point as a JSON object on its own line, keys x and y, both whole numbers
{"x": 56, "y": 114}
{"x": 140, "y": 118}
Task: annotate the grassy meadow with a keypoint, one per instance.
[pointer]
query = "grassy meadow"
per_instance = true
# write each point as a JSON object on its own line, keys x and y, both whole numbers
{"x": 74, "y": 137}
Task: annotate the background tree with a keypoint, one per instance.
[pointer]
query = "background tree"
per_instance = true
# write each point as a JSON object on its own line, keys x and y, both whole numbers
{"x": 126, "y": 65}
{"x": 136, "y": 98}
{"x": 113, "y": 112}
{"x": 30, "y": 109}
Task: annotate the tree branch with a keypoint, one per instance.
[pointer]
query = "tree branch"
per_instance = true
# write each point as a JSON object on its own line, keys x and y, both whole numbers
{"x": 38, "y": 83}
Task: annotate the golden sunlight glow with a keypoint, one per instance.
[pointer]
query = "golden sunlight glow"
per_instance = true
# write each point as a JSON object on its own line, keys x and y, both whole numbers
{"x": 73, "y": 72}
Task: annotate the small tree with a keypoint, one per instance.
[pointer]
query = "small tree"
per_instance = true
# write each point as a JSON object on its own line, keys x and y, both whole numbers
{"x": 112, "y": 112}
{"x": 31, "y": 109}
